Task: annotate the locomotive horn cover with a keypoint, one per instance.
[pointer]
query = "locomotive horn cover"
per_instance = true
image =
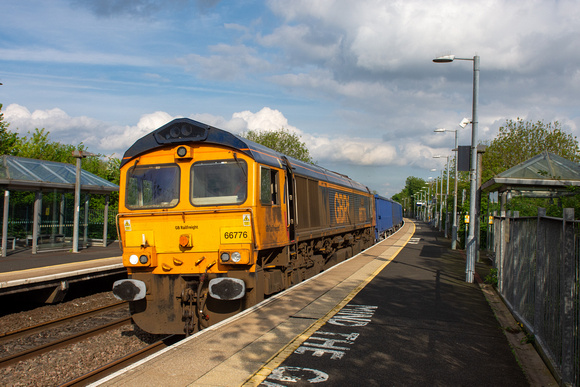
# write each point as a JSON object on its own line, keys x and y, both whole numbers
{"x": 227, "y": 288}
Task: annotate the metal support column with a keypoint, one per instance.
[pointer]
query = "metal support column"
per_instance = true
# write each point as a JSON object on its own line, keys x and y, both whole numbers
{"x": 106, "y": 220}
{"x": 36, "y": 221}
{"x": 5, "y": 222}
{"x": 86, "y": 221}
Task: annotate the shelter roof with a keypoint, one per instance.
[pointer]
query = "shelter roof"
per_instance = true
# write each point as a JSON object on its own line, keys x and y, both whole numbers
{"x": 543, "y": 172}
{"x": 23, "y": 174}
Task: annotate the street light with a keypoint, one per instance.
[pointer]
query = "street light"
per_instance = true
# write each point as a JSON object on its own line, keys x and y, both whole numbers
{"x": 454, "y": 227}
{"x": 471, "y": 240}
{"x": 441, "y": 201}
{"x": 436, "y": 214}
{"x": 429, "y": 198}
{"x": 446, "y": 198}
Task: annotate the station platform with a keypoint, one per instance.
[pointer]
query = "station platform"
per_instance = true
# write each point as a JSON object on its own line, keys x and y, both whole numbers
{"x": 399, "y": 313}
{"x": 24, "y": 271}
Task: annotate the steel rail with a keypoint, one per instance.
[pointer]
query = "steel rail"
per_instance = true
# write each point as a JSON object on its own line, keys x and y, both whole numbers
{"x": 13, "y": 335}
{"x": 36, "y": 351}
{"x": 123, "y": 362}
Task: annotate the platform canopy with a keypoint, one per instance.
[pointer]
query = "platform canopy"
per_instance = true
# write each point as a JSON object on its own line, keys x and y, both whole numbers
{"x": 544, "y": 175}
{"x": 49, "y": 177}
{"x": 22, "y": 174}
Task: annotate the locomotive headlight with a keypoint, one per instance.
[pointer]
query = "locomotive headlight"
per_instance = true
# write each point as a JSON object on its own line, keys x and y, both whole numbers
{"x": 143, "y": 259}
{"x": 225, "y": 257}
{"x": 133, "y": 259}
{"x": 236, "y": 256}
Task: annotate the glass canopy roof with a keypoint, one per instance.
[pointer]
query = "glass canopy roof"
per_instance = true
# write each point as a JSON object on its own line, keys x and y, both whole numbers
{"x": 545, "y": 170}
{"x": 19, "y": 173}
{"x": 545, "y": 166}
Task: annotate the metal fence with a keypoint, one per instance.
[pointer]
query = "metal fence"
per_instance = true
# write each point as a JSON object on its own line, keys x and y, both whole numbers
{"x": 538, "y": 268}
{"x": 56, "y": 231}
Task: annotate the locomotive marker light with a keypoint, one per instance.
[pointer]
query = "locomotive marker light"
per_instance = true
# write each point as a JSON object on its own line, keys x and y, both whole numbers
{"x": 471, "y": 240}
{"x": 182, "y": 151}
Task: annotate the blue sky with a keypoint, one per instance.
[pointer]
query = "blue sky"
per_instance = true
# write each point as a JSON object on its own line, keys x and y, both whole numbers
{"x": 355, "y": 79}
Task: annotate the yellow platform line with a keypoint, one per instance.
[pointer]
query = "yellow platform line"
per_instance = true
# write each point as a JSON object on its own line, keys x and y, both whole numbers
{"x": 259, "y": 376}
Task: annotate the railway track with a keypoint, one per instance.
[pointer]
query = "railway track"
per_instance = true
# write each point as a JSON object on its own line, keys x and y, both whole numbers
{"x": 122, "y": 362}
{"x": 64, "y": 341}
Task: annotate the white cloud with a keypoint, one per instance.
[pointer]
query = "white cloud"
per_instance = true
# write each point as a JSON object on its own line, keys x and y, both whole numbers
{"x": 354, "y": 151}
{"x": 56, "y": 121}
{"x": 48, "y": 55}
{"x": 389, "y": 35}
{"x": 98, "y": 136}
{"x": 123, "y": 138}
{"x": 266, "y": 119}
{"x": 226, "y": 62}
{"x": 112, "y": 139}
{"x": 359, "y": 73}
{"x": 304, "y": 42}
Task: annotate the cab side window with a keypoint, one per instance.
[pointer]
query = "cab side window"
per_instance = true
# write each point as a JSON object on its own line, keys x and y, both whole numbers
{"x": 269, "y": 186}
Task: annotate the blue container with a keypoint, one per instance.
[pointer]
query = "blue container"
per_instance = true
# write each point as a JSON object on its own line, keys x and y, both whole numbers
{"x": 389, "y": 217}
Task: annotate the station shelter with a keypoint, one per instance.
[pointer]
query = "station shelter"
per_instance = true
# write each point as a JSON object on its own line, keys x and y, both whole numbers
{"x": 38, "y": 205}
{"x": 545, "y": 175}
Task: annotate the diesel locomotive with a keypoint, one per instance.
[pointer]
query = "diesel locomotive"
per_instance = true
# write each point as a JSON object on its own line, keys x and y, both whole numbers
{"x": 212, "y": 223}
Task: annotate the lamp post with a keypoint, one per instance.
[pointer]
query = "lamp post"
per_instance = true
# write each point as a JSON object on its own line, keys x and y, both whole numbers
{"x": 446, "y": 198}
{"x": 422, "y": 204}
{"x": 429, "y": 200}
{"x": 424, "y": 197}
{"x": 454, "y": 226}
{"x": 471, "y": 240}
{"x": 425, "y": 205}
{"x": 441, "y": 198}
{"x": 441, "y": 201}
{"x": 435, "y": 191}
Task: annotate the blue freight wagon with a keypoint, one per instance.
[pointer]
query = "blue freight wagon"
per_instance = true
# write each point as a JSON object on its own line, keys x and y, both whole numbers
{"x": 389, "y": 217}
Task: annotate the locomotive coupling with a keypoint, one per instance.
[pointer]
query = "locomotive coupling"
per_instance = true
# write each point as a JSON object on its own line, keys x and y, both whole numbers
{"x": 129, "y": 290}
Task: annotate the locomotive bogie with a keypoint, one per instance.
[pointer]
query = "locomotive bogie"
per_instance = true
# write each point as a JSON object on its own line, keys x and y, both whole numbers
{"x": 172, "y": 302}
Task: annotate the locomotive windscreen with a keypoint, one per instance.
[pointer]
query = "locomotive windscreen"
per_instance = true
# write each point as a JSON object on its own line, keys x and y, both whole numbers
{"x": 219, "y": 182}
{"x": 152, "y": 186}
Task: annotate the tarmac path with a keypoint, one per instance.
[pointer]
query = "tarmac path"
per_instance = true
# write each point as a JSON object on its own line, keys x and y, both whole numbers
{"x": 417, "y": 323}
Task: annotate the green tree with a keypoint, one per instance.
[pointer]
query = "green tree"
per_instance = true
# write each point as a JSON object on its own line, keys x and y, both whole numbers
{"x": 412, "y": 185}
{"x": 38, "y": 146}
{"x": 282, "y": 141}
{"x": 519, "y": 140}
{"x": 8, "y": 139}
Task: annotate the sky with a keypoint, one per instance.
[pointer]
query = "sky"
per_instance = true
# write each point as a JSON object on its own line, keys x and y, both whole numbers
{"x": 355, "y": 79}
